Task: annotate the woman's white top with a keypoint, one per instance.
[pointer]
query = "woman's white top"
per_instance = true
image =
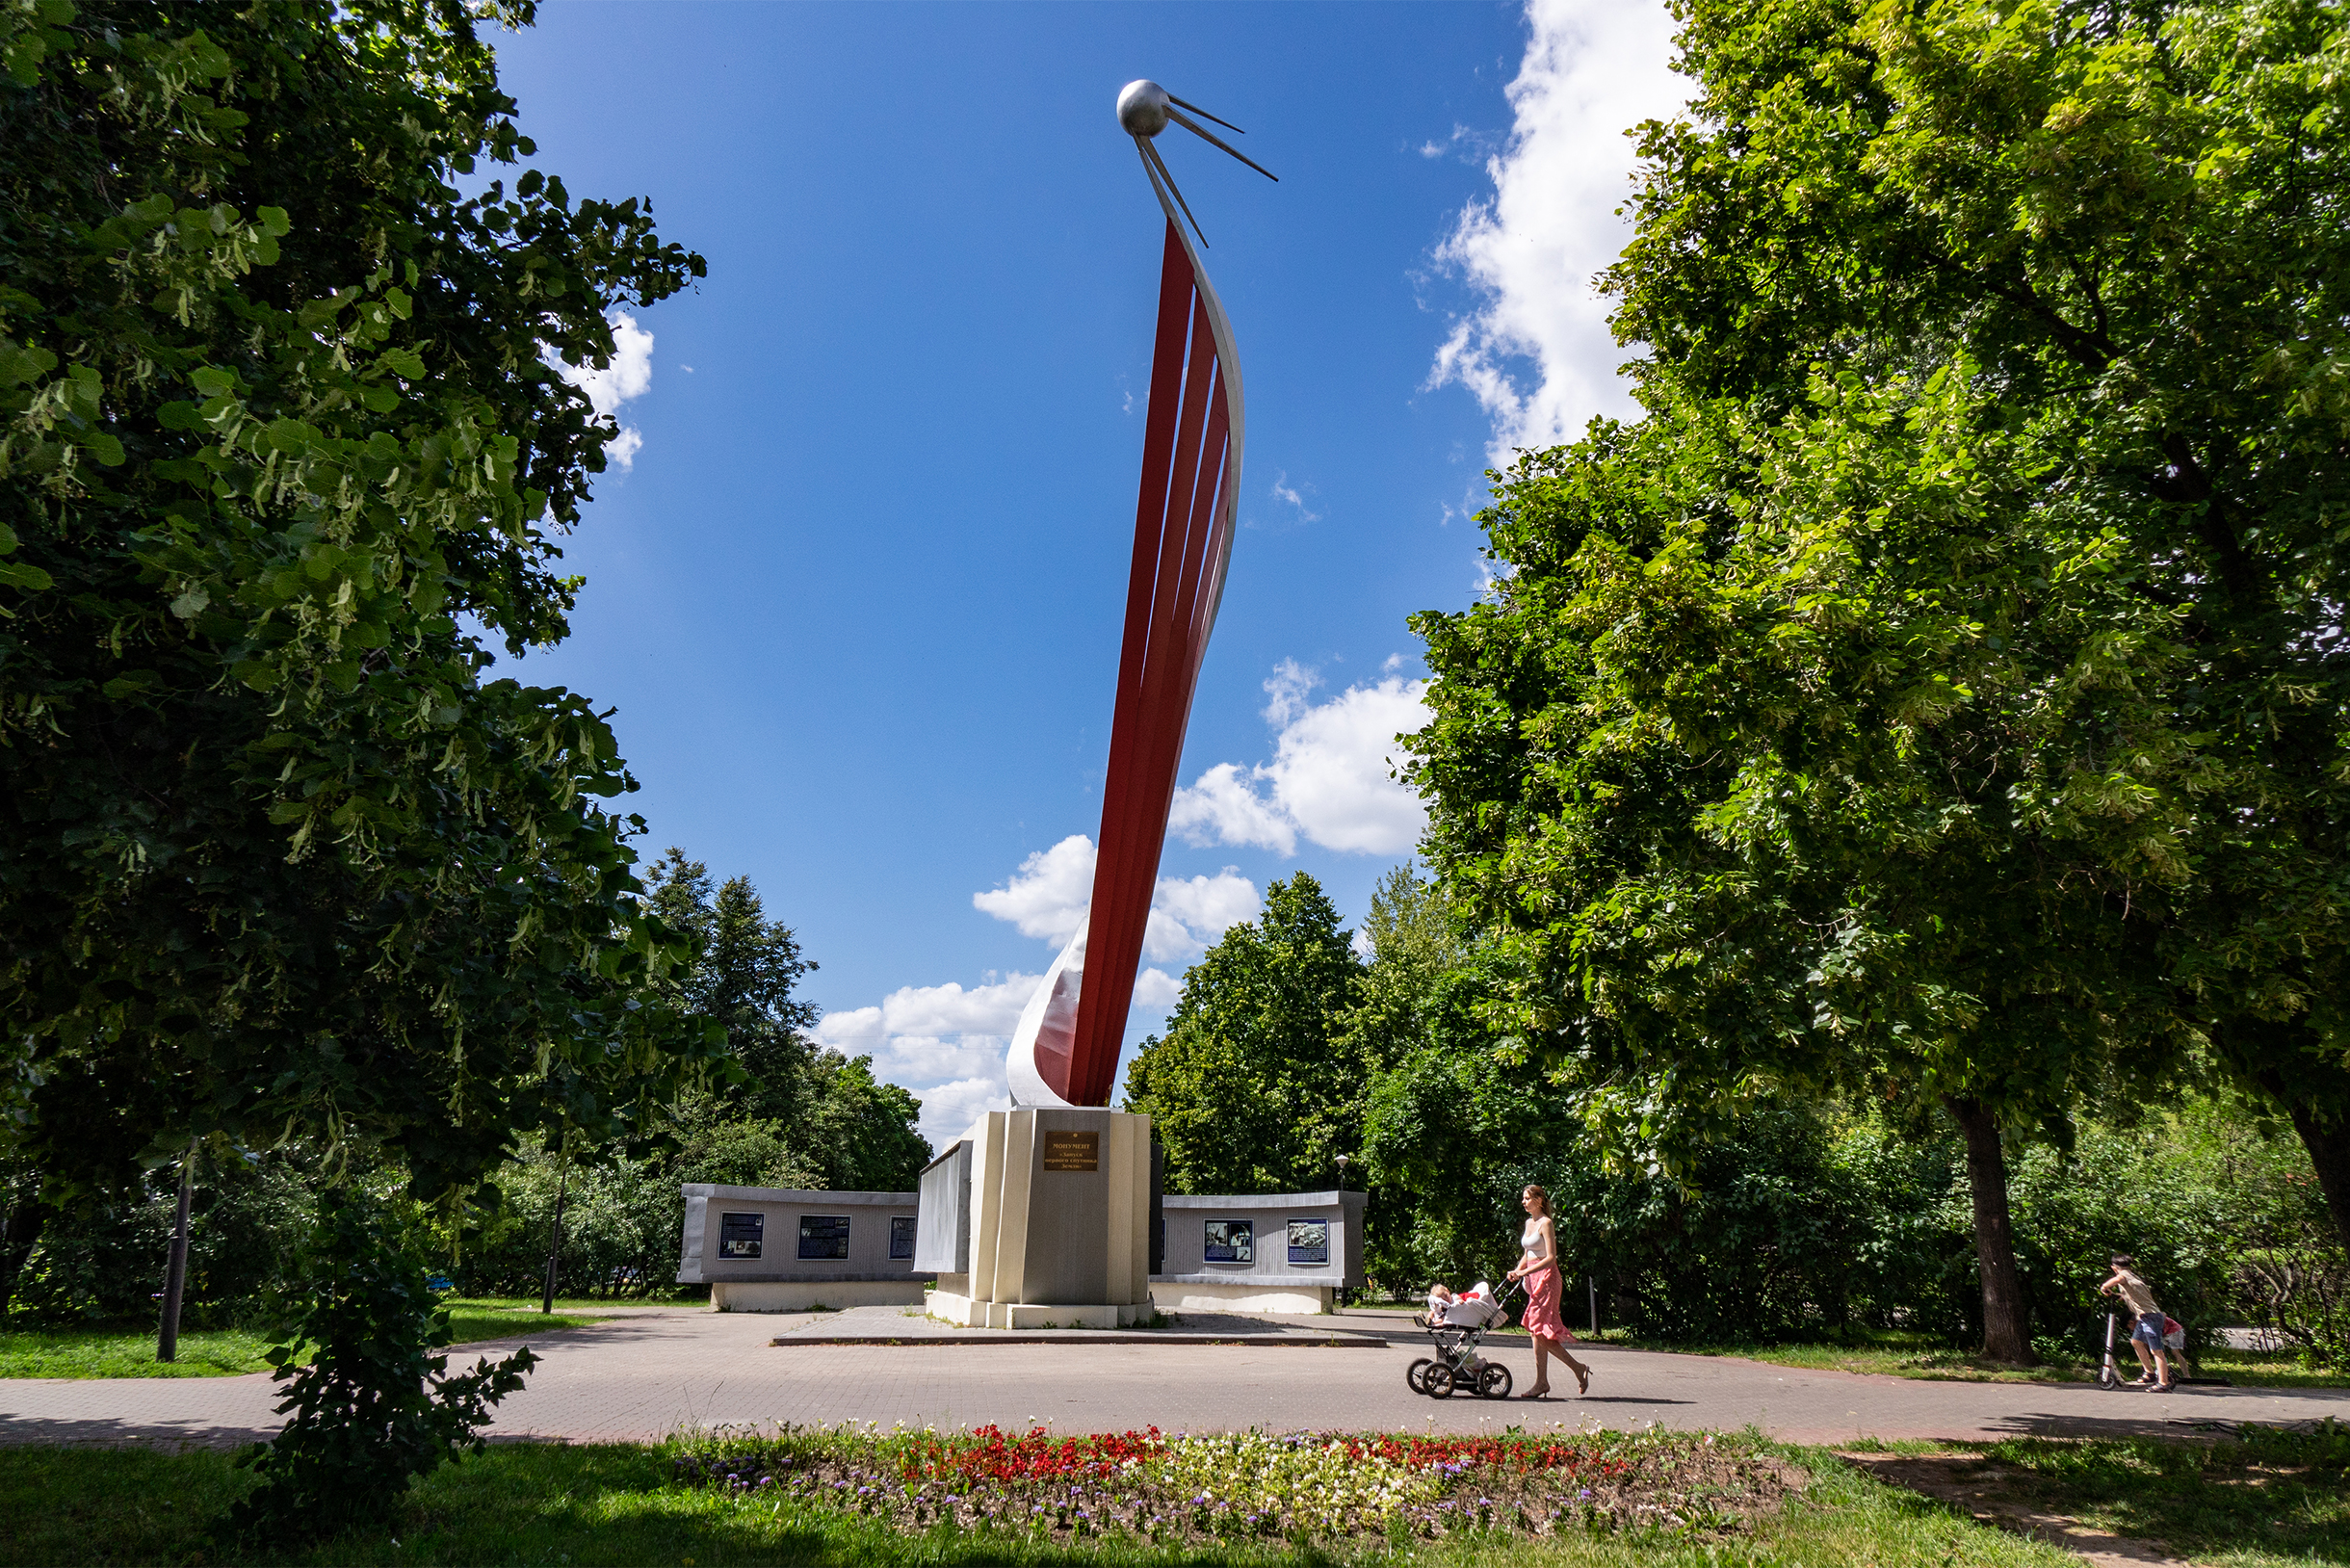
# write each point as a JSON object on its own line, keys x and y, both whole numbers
{"x": 1536, "y": 1242}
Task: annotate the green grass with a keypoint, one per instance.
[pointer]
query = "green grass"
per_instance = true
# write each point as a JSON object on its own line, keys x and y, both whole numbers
{"x": 617, "y": 1506}
{"x": 214, "y": 1353}
{"x": 2266, "y": 1500}
{"x": 1895, "y": 1354}
{"x": 2268, "y": 1369}
{"x": 217, "y": 1353}
{"x": 1887, "y": 1353}
{"x": 468, "y": 1323}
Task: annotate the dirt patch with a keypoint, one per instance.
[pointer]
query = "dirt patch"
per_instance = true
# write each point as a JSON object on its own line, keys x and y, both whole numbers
{"x": 1995, "y": 1494}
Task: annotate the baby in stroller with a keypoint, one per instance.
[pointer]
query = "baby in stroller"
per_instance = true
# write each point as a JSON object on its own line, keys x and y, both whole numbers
{"x": 1455, "y": 1324}
{"x": 1471, "y": 1308}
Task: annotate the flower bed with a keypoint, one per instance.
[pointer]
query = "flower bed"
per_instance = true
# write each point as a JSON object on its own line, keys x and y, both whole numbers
{"x": 1164, "y": 1487}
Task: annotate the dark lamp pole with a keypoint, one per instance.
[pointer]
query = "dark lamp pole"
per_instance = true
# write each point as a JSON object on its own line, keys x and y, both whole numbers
{"x": 1341, "y": 1187}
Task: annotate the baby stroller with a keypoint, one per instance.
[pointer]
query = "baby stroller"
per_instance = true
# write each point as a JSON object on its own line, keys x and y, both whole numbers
{"x": 1456, "y": 1365}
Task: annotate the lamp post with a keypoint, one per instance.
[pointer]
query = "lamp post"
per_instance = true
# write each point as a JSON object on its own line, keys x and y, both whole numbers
{"x": 1343, "y": 1287}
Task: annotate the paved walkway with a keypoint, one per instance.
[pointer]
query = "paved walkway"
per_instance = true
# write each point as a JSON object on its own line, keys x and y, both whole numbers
{"x": 644, "y": 1374}
{"x": 898, "y": 1325}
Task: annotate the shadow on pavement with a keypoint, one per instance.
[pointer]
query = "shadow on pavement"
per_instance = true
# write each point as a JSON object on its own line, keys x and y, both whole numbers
{"x": 614, "y": 1330}
{"x": 114, "y": 1432}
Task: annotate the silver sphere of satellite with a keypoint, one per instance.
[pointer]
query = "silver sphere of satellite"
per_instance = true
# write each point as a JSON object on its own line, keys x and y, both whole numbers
{"x": 1142, "y": 108}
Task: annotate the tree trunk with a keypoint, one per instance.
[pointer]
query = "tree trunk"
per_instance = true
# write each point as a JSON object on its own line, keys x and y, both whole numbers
{"x": 17, "y": 1241}
{"x": 554, "y": 1236}
{"x": 2006, "y": 1324}
{"x": 2329, "y": 1147}
{"x": 175, "y": 1271}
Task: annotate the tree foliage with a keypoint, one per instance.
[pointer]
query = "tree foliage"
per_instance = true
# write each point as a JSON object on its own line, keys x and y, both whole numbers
{"x": 832, "y": 1120}
{"x": 1909, "y": 704}
{"x": 1251, "y": 1089}
{"x": 283, "y": 437}
{"x": 2126, "y": 221}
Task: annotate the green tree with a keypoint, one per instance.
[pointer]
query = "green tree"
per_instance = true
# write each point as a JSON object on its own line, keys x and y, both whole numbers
{"x": 1252, "y": 1089}
{"x": 1451, "y": 1129}
{"x": 743, "y": 978}
{"x": 1770, "y": 768}
{"x": 1902, "y": 705}
{"x": 1413, "y": 943}
{"x": 844, "y": 1127}
{"x": 281, "y": 426}
{"x": 2126, "y": 221}
{"x": 1407, "y": 998}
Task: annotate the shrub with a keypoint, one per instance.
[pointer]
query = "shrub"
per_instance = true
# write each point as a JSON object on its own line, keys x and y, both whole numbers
{"x": 372, "y": 1408}
{"x": 1792, "y": 1228}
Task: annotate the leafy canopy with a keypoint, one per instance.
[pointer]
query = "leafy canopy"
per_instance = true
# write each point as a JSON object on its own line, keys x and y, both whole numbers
{"x": 1938, "y": 693}
{"x": 789, "y": 1107}
{"x": 282, "y": 440}
{"x": 1250, "y": 1090}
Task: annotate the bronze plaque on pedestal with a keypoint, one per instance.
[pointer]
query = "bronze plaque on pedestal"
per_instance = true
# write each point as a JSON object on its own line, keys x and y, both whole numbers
{"x": 1072, "y": 1151}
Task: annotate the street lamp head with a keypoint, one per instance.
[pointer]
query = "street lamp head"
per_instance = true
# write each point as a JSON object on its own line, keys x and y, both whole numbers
{"x": 1142, "y": 108}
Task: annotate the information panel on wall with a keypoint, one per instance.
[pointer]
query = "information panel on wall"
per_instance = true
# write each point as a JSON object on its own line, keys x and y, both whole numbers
{"x": 1310, "y": 1241}
{"x": 740, "y": 1234}
{"x": 901, "y": 1236}
{"x": 1232, "y": 1241}
{"x": 823, "y": 1236}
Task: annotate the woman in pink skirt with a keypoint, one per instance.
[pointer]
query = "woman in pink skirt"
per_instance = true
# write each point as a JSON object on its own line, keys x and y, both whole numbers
{"x": 1539, "y": 1268}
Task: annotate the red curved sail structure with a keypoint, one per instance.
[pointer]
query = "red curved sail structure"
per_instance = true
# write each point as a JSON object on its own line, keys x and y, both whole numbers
{"x": 1182, "y": 543}
{"x": 1065, "y": 1048}
{"x": 1074, "y": 1029}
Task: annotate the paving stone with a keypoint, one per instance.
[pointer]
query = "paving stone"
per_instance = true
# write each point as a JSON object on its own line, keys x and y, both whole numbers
{"x": 643, "y": 1374}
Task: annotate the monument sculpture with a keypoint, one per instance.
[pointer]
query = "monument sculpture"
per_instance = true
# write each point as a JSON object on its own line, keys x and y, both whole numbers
{"x": 1045, "y": 1214}
{"x": 1064, "y": 1051}
{"x": 1048, "y": 1213}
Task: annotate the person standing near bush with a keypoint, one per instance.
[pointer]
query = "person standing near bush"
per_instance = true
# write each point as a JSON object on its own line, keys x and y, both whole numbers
{"x": 1538, "y": 1267}
{"x": 2146, "y": 1333}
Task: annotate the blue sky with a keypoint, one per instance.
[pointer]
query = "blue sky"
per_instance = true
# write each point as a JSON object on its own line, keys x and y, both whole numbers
{"x": 858, "y": 591}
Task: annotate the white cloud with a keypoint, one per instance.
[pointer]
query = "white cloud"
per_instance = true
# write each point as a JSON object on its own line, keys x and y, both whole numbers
{"x": 947, "y": 1042}
{"x": 628, "y": 375}
{"x": 948, "y": 1110}
{"x": 1156, "y": 989}
{"x": 1186, "y": 917}
{"x": 1296, "y": 496}
{"x": 919, "y": 1034}
{"x": 1466, "y": 144}
{"x": 1223, "y": 806}
{"x": 1047, "y": 897}
{"x": 1591, "y": 73}
{"x": 944, "y": 1042}
{"x": 1049, "y": 894}
{"x": 1329, "y": 779}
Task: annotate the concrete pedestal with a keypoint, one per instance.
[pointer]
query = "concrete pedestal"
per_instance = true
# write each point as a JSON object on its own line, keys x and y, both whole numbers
{"x": 1052, "y": 1220}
